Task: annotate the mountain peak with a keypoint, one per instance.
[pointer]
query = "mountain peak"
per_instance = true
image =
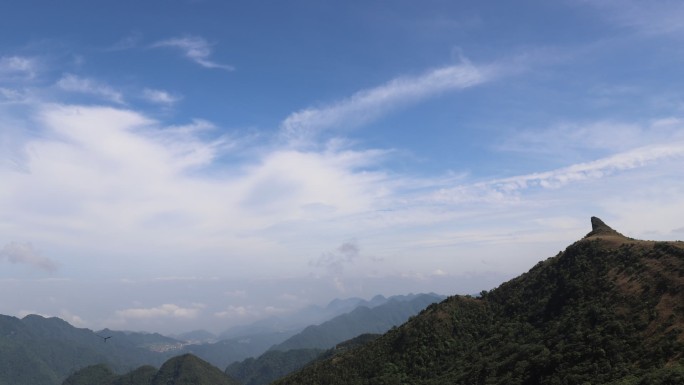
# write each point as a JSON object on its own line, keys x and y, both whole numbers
{"x": 598, "y": 227}
{"x": 189, "y": 369}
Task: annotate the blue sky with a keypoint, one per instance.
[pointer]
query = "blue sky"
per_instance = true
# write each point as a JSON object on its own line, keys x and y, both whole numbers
{"x": 173, "y": 165}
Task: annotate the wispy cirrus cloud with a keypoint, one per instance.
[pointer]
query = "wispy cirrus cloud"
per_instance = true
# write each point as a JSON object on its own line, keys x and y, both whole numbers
{"x": 507, "y": 188}
{"x": 73, "y": 83}
{"x": 367, "y": 105}
{"x": 194, "y": 48}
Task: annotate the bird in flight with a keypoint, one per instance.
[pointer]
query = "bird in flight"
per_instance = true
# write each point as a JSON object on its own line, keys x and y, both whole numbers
{"x": 103, "y": 337}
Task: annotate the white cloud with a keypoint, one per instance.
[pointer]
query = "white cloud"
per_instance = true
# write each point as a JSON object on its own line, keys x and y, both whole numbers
{"x": 124, "y": 182}
{"x": 160, "y": 97}
{"x": 168, "y": 310}
{"x": 103, "y": 183}
{"x": 367, "y": 105}
{"x": 24, "y": 253}
{"x": 152, "y": 192}
{"x": 71, "y": 318}
{"x": 196, "y": 49}
{"x": 73, "y": 83}
{"x": 18, "y": 67}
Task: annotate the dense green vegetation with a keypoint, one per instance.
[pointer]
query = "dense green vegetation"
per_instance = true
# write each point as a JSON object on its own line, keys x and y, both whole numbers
{"x": 181, "y": 370}
{"x": 190, "y": 370}
{"x": 607, "y": 310}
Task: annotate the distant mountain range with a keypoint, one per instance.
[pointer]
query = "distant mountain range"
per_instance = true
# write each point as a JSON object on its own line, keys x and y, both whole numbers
{"x": 607, "y": 310}
{"x": 43, "y": 351}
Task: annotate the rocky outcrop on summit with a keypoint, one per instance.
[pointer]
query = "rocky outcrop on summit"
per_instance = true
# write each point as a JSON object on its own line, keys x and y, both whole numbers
{"x": 599, "y": 228}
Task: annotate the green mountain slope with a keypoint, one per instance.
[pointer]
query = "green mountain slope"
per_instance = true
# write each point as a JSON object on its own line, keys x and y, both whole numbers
{"x": 181, "y": 370}
{"x": 607, "y": 310}
{"x": 190, "y": 370}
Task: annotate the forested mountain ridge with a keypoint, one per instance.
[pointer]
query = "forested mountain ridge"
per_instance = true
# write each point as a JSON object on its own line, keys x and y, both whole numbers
{"x": 607, "y": 310}
{"x": 185, "y": 369}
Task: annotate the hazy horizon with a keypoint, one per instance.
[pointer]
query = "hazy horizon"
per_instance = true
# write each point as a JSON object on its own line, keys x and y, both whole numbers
{"x": 175, "y": 165}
